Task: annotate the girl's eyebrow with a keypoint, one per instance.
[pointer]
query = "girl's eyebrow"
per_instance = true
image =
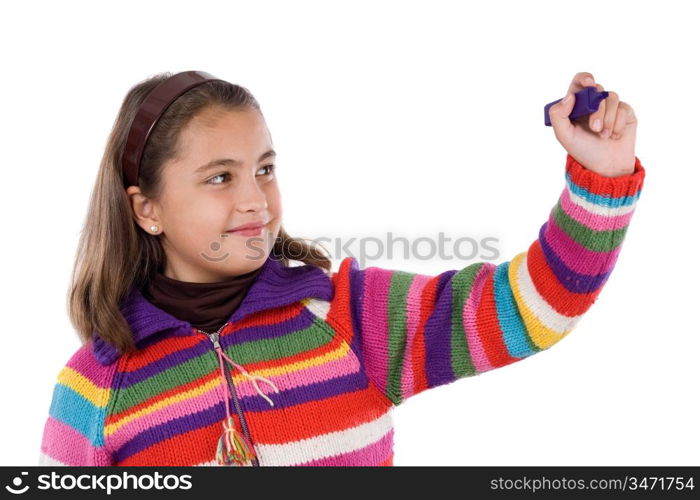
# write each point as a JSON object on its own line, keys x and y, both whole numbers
{"x": 230, "y": 161}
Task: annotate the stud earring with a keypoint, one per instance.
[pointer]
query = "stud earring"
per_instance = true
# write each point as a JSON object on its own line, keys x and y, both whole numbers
{"x": 154, "y": 229}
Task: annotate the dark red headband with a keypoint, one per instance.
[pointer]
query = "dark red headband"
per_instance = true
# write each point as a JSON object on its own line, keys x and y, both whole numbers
{"x": 148, "y": 115}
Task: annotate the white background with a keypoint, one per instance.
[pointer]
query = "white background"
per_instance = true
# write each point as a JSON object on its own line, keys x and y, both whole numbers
{"x": 410, "y": 117}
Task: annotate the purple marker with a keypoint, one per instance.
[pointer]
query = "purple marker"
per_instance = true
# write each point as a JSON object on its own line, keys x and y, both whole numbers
{"x": 587, "y": 101}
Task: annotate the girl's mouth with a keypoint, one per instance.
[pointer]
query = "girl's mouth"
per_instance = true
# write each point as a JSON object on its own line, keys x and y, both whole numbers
{"x": 250, "y": 229}
{"x": 253, "y": 231}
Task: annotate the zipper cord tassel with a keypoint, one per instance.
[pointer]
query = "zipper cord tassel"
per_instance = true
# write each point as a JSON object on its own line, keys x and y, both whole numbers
{"x": 253, "y": 378}
{"x": 233, "y": 447}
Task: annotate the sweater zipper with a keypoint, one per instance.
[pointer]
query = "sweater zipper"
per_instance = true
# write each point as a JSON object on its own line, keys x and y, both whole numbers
{"x": 214, "y": 337}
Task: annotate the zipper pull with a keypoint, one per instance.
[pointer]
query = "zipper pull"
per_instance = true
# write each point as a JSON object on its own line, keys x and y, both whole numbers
{"x": 214, "y": 337}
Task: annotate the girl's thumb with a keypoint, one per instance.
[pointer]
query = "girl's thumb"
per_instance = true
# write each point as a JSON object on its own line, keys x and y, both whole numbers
{"x": 559, "y": 116}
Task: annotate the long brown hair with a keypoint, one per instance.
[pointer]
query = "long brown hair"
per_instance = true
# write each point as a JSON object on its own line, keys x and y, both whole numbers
{"x": 114, "y": 254}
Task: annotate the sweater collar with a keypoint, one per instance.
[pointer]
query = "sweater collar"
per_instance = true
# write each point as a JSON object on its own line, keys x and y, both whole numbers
{"x": 277, "y": 285}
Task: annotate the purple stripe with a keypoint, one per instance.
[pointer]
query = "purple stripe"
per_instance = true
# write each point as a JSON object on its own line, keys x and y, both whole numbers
{"x": 170, "y": 429}
{"x": 571, "y": 280}
{"x": 307, "y": 393}
{"x": 279, "y": 285}
{"x": 301, "y": 321}
{"x": 438, "y": 333}
{"x": 130, "y": 378}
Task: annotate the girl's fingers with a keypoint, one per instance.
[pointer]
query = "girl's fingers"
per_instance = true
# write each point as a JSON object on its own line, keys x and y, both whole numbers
{"x": 612, "y": 115}
{"x": 624, "y": 114}
{"x": 580, "y": 81}
{"x": 611, "y": 111}
{"x": 595, "y": 119}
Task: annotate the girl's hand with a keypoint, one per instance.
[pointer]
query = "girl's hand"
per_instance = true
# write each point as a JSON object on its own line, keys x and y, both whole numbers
{"x": 607, "y": 149}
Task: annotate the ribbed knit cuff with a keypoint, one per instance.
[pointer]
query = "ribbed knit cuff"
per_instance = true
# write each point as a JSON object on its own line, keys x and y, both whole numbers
{"x": 606, "y": 187}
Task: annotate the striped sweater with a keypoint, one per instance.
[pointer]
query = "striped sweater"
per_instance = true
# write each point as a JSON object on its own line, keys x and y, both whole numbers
{"x": 316, "y": 362}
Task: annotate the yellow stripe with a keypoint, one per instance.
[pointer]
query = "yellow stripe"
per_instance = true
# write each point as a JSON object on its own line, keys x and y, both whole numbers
{"x": 300, "y": 365}
{"x": 540, "y": 334}
{"x": 237, "y": 379}
{"x": 192, "y": 393}
{"x": 78, "y": 382}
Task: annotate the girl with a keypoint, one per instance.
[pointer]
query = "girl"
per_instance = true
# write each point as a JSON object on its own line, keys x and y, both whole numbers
{"x": 204, "y": 345}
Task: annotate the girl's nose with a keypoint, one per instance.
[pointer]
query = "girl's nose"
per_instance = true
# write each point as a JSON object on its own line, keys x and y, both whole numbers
{"x": 250, "y": 197}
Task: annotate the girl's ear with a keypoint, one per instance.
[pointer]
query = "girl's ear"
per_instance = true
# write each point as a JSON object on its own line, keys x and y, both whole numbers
{"x": 143, "y": 209}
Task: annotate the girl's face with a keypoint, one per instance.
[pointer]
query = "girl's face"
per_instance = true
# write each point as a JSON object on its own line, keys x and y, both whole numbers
{"x": 223, "y": 177}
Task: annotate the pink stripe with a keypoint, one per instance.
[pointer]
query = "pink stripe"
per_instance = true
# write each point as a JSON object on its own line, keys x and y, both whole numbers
{"x": 371, "y": 454}
{"x": 413, "y": 301}
{"x": 481, "y": 361}
{"x": 375, "y": 324}
{"x": 343, "y": 366}
{"x": 575, "y": 256}
{"x": 170, "y": 412}
{"x": 591, "y": 220}
{"x": 84, "y": 362}
{"x": 65, "y": 444}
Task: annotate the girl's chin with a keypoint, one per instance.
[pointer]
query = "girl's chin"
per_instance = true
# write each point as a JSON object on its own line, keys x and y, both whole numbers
{"x": 237, "y": 256}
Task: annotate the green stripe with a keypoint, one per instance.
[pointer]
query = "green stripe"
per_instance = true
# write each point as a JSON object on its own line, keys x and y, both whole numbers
{"x": 462, "y": 283}
{"x": 177, "y": 375}
{"x": 396, "y": 316}
{"x": 312, "y": 337}
{"x": 597, "y": 241}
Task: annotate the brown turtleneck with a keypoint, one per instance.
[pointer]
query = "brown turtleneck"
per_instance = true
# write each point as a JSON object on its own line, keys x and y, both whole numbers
{"x": 206, "y": 306}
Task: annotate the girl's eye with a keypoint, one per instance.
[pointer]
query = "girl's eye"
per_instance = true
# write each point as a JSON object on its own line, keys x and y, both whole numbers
{"x": 227, "y": 175}
{"x": 271, "y": 169}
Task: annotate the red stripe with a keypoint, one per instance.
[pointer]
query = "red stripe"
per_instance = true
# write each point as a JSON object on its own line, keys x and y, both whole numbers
{"x": 313, "y": 418}
{"x": 267, "y": 317}
{"x": 489, "y": 330}
{"x": 159, "y": 350}
{"x": 179, "y": 450}
{"x": 548, "y": 286}
{"x": 427, "y": 306}
{"x": 614, "y": 187}
{"x": 340, "y": 314}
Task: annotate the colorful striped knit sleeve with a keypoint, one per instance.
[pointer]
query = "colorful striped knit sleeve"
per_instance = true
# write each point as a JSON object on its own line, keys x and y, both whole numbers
{"x": 74, "y": 430}
{"x": 414, "y": 332}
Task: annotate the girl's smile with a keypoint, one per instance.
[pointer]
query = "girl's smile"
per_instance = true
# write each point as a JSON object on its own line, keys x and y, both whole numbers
{"x": 250, "y": 229}
{"x": 248, "y": 232}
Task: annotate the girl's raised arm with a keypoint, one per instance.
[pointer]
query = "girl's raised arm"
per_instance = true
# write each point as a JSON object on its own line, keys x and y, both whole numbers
{"x": 413, "y": 332}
